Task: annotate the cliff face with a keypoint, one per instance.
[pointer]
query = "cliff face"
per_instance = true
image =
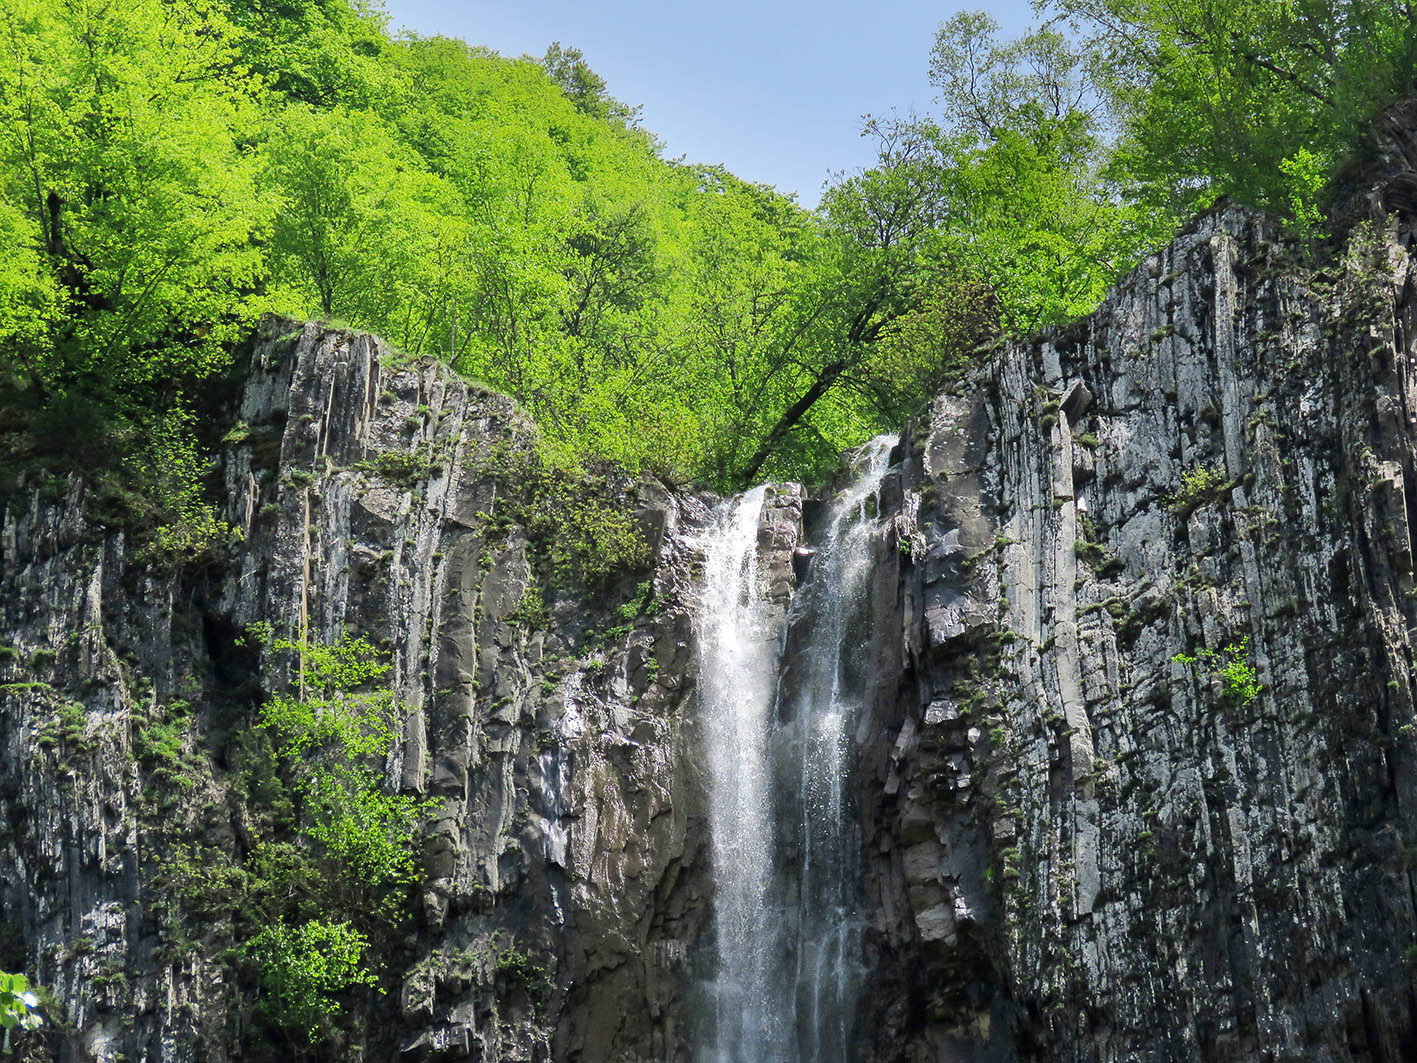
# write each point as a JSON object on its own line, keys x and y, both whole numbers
{"x": 570, "y": 827}
{"x": 1136, "y": 763}
{"x": 1139, "y": 771}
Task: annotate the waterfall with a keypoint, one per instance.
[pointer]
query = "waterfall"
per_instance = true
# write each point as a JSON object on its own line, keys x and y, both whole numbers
{"x": 821, "y": 717}
{"x": 784, "y": 839}
{"x": 737, "y": 677}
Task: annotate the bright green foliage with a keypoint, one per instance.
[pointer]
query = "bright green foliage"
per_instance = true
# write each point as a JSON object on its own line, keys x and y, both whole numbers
{"x": 1214, "y": 96}
{"x": 1199, "y": 484}
{"x": 126, "y": 174}
{"x": 315, "y": 899}
{"x": 577, "y": 526}
{"x": 168, "y": 168}
{"x": 171, "y": 466}
{"x": 1307, "y": 175}
{"x": 19, "y": 1005}
{"x": 331, "y": 734}
{"x": 507, "y": 215}
{"x": 27, "y": 289}
{"x": 361, "y": 233}
{"x": 304, "y": 968}
{"x": 1016, "y": 160}
{"x": 568, "y": 68}
{"x": 319, "y": 52}
{"x": 1239, "y": 682}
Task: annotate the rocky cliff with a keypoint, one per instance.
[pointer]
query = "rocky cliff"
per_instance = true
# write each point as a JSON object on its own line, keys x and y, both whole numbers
{"x": 388, "y": 499}
{"x": 1138, "y": 776}
{"x": 1136, "y": 765}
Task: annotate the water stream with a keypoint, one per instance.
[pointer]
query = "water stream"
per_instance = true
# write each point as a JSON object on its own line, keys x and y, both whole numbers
{"x": 785, "y": 841}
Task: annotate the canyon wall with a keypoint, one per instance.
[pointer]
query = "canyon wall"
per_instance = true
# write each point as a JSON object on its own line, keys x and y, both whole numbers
{"x": 1138, "y": 776}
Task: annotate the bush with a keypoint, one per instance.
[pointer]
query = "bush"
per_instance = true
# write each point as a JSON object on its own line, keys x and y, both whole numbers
{"x": 331, "y": 735}
{"x": 171, "y": 466}
{"x": 1239, "y": 682}
{"x": 577, "y": 522}
{"x": 399, "y": 467}
{"x": 1199, "y": 484}
{"x": 302, "y": 968}
{"x": 516, "y": 968}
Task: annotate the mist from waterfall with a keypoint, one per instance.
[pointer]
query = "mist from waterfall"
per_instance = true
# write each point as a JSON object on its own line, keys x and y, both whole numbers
{"x": 785, "y": 843}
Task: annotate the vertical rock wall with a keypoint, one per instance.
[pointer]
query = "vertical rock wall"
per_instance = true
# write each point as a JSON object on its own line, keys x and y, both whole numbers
{"x": 1095, "y": 839}
{"x": 570, "y": 827}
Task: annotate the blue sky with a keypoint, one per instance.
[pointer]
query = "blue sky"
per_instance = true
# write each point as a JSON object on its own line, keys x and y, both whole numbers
{"x": 773, "y": 90}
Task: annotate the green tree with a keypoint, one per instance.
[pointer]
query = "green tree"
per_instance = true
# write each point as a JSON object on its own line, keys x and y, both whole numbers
{"x": 1214, "y": 97}
{"x": 324, "y": 53}
{"x": 126, "y": 173}
{"x": 864, "y": 273}
{"x": 585, "y": 88}
{"x": 1020, "y": 151}
{"x": 362, "y": 232}
{"x": 332, "y": 731}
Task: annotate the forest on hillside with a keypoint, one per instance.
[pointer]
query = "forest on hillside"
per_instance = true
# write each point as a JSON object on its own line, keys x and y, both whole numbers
{"x": 171, "y": 169}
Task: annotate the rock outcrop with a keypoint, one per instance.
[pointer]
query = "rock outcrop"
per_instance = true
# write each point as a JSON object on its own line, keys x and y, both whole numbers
{"x": 379, "y": 498}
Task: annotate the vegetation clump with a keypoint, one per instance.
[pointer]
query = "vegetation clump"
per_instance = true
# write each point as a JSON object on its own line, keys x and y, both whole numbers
{"x": 312, "y": 908}
{"x": 305, "y": 969}
{"x": 1199, "y": 484}
{"x": 331, "y": 732}
{"x": 1231, "y": 665}
{"x": 575, "y": 519}
{"x": 402, "y": 468}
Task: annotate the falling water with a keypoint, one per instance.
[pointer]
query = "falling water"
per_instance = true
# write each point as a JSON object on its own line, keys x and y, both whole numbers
{"x": 737, "y": 676}
{"x": 786, "y": 857}
{"x": 821, "y": 718}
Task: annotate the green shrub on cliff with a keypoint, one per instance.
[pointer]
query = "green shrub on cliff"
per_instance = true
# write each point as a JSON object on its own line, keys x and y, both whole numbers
{"x": 576, "y": 520}
{"x": 1231, "y": 665}
{"x": 317, "y": 903}
{"x": 332, "y": 731}
{"x": 304, "y": 969}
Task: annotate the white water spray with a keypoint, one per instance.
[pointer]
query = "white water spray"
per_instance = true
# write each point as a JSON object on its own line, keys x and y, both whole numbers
{"x": 788, "y": 968}
{"x": 737, "y": 676}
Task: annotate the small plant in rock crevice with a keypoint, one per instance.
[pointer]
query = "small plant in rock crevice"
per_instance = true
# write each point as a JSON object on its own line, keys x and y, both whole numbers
{"x": 1239, "y": 681}
{"x": 1199, "y": 484}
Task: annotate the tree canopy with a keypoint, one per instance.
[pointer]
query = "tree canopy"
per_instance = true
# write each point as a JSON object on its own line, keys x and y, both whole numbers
{"x": 171, "y": 168}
